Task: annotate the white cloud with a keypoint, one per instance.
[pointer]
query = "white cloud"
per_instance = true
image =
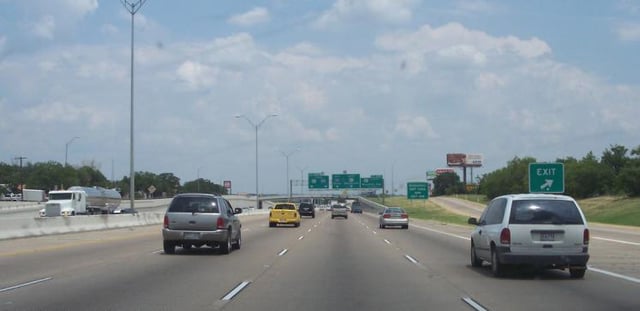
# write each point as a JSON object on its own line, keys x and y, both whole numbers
{"x": 414, "y": 127}
{"x": 628, "y": 32}
{"x": 387, "y": 11}
{"x": 79, "y": 7}
{"x": 45, "y": 27}
{"x": 196, "y": 75}
{"x": 109, "y": 29}
{"x": 250, "y": 18}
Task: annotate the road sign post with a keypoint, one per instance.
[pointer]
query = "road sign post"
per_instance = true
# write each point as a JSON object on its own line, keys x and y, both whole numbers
{"x": 546, "y": 178}
{"x": 417, "y": 190}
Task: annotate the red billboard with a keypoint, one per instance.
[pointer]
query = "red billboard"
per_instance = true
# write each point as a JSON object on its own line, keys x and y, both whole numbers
{"x": 456, "y": 159}
{"x": 227, "y": 184}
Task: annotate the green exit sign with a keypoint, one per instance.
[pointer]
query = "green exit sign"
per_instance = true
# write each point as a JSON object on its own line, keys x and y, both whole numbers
{"x": 417, "y": 190}
{"x": 546, "y": 178}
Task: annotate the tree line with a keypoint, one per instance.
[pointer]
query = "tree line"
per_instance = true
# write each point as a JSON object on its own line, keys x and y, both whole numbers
{"x": 616, "y": 172}
{"x": 56, "y": 176}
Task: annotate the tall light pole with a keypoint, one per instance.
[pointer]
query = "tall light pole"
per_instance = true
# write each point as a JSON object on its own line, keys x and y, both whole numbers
{"x": 287, "y": 155}
{"x": 132, "y": 7}
{"x": 198, "y": 180}
{"x": 66, "y": 149}
{"x": 302, "y": 178}
{"x": 256, "y": 127}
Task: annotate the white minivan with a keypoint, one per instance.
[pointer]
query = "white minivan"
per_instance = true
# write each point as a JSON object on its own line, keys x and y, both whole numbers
{"x": 540, "y": 230}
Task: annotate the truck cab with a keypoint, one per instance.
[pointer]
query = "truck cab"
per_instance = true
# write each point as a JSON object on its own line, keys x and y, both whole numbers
{"x": 65, "y": 203}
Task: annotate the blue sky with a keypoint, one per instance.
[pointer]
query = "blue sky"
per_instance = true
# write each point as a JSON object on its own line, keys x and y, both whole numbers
{"x": 370, "y": 87}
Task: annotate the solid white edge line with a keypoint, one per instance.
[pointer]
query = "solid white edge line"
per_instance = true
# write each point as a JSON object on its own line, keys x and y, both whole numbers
{"x": 284, "y": 251}
{"x": 474, "y": 304}
{"x": 613, "y": 274}
{"x": 236, "y": 290}
{"x": 25, "y": 284}
{"x": 617, "y": 241}
{"x": 442, "y": 232}
{"x": 411, "y": 259}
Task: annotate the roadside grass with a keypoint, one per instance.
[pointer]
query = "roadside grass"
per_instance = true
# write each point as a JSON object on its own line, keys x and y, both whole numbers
{"x": 614, "y": 210}
{"x": 424, "y": 209}
{"x": 478, "y": 198}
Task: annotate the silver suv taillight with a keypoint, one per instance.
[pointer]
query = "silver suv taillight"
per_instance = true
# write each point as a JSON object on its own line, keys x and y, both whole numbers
{"x": 585, "y": 237}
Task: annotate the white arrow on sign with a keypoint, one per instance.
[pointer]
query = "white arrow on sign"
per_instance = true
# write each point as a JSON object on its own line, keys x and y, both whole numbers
{"x": 547, "y": 184}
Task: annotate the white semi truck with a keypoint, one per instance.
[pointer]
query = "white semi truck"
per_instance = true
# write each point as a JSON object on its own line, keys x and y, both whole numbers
{"x": 81, "y": 200}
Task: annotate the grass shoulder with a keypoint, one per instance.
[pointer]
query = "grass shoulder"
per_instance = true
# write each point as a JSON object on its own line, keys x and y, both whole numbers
{"x": 424, "y": 209}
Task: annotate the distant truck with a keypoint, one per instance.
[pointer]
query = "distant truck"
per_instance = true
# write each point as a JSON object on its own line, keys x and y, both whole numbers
{"x": 33, "y": 195}
{"x": 81, "y": 200}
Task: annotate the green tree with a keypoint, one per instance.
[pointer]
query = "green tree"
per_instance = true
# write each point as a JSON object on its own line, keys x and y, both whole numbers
{"x": 615, "y": 157}
{"x": 448, "y": 183}
{"x": 511, "y": 179}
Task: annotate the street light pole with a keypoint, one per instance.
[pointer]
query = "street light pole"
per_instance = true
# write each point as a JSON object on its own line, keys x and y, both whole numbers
{"x": 302, "y": 179}
{"x": 256, "y": 127}
{"x": 198, "y": 180}
{"x": 132, "y": 7}
{"x": 286, "y": 155}
{"x": 66, "y": 149}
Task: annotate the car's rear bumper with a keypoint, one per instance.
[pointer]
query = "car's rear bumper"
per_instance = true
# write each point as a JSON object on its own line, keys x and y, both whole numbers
{"x": 394, "y": 222}
{"x": 305, "y": 213}
{"x": 560, "y": 260}
{"x": 183, "y": 235}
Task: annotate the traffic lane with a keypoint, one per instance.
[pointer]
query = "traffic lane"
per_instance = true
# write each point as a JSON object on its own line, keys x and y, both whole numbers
{"x": 30, "y": 258}
{"x": 142, "y": 265}
{"x": 344, "y": 266}
{"x": 446, "y": 255}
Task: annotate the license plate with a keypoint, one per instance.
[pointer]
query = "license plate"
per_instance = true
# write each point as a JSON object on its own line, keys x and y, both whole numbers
{"x": 547, "y": 236}
{"x": 191, "y": 235}
{"x": 282, "y": 221}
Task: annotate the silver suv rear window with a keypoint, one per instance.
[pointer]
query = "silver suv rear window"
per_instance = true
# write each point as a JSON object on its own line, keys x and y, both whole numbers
{"x": 194, "y": 205}
{"x": 556, "y": 212}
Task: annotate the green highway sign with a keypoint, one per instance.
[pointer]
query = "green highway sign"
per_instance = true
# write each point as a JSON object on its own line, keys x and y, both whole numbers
{"x": 318, "y": 181}
{"x": 546, "y": 178}
{"x": 375, "y": 181}
{"x": 417, "y": 190}
{"x": 345, "y": 181}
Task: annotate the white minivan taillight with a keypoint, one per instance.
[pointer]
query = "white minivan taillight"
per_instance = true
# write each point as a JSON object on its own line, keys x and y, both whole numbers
{"x": 505, "y": 236}
{"x": 166, "y": 221}
{"x": 585, "y": 237}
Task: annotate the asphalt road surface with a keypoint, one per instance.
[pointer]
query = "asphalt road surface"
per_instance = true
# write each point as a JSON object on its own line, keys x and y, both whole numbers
{"x": 325, "y": 264}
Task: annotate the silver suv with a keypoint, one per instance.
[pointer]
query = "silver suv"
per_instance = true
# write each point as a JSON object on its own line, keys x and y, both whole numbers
{"x": 542, "y": 230}
{"x": 201, "y": 219}
{"x": 339, "y": 210}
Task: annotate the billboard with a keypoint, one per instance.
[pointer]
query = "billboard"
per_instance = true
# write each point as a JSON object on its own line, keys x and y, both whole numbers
{"x": 440, "y": 171}
{"x": 464, "y": 159}
{"x": 227, "y": 184}
{"x": 456, "y": 159}
{"x": 473, "y": 160}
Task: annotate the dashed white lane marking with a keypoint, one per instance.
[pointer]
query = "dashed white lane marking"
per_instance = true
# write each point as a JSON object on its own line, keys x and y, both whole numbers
{"x": 301, "y": 237}
{"x": 236, "y": 290}
{"x": 25, "y": 284}
{"x": 387, "y": 241}
{"x": 282, "y": 252}
{"x": 474, "y": 304}
{"x": 413, "y": 260}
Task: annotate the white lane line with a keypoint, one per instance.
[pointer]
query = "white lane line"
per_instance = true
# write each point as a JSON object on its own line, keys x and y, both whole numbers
{"x": 309, "y": 230}
{"x": 158, "y": 252}
{"x": 615, "y": 275}
{"x": 301, "y": 237}
{"x": 24, "y": 284}
{"x": 236, "y": 290}
{"x": 409, "y": 258}
{"x": 282, "y": 252}
{"x": 442, "y": 232}
{"x": 374, "y": 232}
{"x": 474, "y": 304}
{"x": 617, "y": 241}
{"x": 387, "y": 241}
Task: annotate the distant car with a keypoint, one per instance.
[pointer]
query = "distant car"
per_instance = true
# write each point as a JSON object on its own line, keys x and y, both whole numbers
{"x": 356, "y": 208}
{"x": 339, "y": 210}
{"x": 540, "y": 230}
{"x": 197, "y": 219}
{"x": 283, "y": 214}
{"x": 394, "y": 216}
{"x": 307, "y": 209}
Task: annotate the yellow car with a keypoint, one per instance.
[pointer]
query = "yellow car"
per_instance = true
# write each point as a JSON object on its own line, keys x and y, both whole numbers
{"x": 284, "y": 213}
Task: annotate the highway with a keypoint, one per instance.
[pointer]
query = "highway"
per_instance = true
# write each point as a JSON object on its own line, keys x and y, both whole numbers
{"x": 326, "y": 264}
